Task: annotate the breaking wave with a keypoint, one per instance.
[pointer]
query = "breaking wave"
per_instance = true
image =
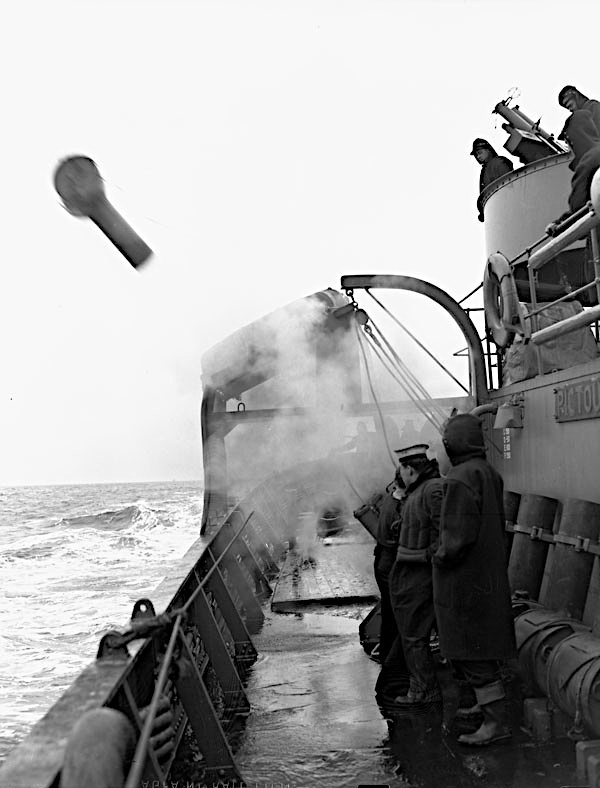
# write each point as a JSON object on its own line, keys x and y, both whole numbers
{"x": 119, "y": 519}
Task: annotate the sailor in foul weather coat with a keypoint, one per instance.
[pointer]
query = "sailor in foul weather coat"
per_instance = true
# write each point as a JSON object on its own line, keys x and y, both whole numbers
{"x": 410, "y": 581}
{"x": 393, "y": 678}
{"x": 385, "y": 555}
{"x": 470, "y": 581}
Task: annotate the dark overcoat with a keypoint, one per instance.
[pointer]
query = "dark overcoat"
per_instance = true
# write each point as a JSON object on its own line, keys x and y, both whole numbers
{"x": 388, "y": 522}
{"x": 495, "y": 167}
{"x": 584, "y": 138}
{"x": 419, "y": 524}
{"x": 470, "y": 581}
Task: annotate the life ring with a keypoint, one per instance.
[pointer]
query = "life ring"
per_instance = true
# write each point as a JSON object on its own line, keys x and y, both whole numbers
{"x": 500, "y": 300}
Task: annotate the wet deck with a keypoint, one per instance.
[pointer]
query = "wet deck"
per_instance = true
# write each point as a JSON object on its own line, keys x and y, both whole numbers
{"x": 334, "y": 570}
{"x": 425, "y": 743}
{"x": 315, "y": 721}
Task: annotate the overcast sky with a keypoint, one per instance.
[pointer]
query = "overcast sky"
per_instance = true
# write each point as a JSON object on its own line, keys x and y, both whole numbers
{"x": 263, "y": 150}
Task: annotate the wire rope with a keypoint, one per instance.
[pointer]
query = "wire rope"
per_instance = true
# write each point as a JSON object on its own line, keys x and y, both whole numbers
{"x": 418, "y": 342}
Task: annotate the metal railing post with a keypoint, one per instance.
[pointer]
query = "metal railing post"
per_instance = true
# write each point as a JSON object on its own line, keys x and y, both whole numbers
{"x": 596, "y": 259}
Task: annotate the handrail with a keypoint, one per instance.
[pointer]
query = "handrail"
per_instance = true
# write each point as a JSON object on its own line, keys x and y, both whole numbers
{"x": 217, "y": 561}
{"x": 573, "y": 233}
{"x": 142, "y": 748}
{"x": 574, "y": 228}
{"x": 141, "y": 751}
{"x": 588, "y": 223}
{"x": 566, "y": 326}
{"x": 568, "y": 297}
{"x": 586, "y": 218}
{"x": 563, "y": 226}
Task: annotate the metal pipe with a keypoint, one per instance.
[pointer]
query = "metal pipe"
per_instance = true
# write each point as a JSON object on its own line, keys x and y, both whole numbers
{"x": 571, "y": 219}
{"x": 533, "y": 299}
{"x": 573, "y": 233}
{"x": 528, "y": 250}
{"x": 568, "y": 297}
{"x": 596, "y": 259}
{"x": 489, "y": 407}
{"x": 534, "y": 322}
{"x": 479, "y": 286}
{"x": 566, "y": 326}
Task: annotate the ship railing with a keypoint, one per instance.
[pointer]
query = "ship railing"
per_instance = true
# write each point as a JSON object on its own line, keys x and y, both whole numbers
{"x": 230, "y": 578}
{"x": 490, "y": 354}
{"x": 580, "y": 225}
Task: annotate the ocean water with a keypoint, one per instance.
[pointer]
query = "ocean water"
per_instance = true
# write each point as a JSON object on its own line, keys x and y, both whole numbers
{"x": 73, "y": 561}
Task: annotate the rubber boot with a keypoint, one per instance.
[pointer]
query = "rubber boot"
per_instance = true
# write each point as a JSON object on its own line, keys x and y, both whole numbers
{"x": 494, "y": 727}
{"x": 394, "y": 678}
{"x": 468, "y": 707}
{"x": 418, "y": 695}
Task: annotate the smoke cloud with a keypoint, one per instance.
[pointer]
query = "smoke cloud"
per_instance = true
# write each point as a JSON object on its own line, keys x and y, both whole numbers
{"x": 300, "y": 377}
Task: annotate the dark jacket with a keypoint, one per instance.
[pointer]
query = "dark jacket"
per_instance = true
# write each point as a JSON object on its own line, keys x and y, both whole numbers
{"x": 593, "y": 107}
{"x": 387, "y": 527}
{"x": 584, "y": 139}
{"x": 495, "y": 167}
{"x": 419, "y": 526}
{"x": 470, "y": 582}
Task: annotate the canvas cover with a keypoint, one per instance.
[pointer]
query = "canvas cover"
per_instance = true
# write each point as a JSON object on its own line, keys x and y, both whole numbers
{"x": 576, "y": 347}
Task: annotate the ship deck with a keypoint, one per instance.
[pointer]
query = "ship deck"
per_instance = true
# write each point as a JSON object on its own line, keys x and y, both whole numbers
{"x": 315, "y": 720}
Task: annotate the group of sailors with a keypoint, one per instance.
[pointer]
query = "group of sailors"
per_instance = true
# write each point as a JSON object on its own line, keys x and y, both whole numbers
{"x": 582, "y": 133}
{"x": 441, "y": 565}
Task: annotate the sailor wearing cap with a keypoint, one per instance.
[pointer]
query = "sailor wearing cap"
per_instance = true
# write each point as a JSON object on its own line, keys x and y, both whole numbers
{"x": 411, "y": 588}
{"x": 572, "y": 99}
{"x": 492, "y": 167}
{"x": 418, "y": 451}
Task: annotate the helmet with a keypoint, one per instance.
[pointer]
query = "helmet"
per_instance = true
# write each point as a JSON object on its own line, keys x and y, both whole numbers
{"x": 480, "y": 143}
{"x": 563, "y": 93}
